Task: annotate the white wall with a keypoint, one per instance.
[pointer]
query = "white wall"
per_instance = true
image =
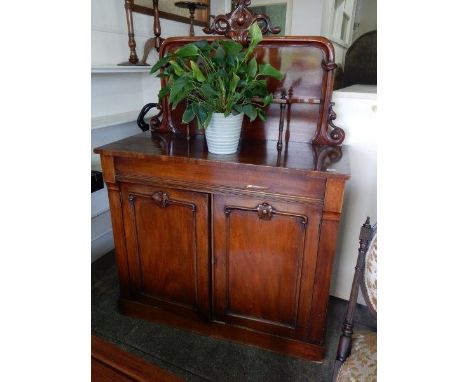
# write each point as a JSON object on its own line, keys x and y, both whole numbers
{"x": 306, "y": 17}
{"x": 366, "y": 16}
{"x": 109, "y": 33}
{"x": 115, "y": 92}
{"x": 357, "y": 115}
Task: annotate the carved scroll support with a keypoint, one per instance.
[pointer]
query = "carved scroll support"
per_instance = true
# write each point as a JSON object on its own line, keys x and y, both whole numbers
{"x": 324, "y": 156}
{"x": 155, "y": 121}
{"x": 235, "y": 25}
{"x": 328, "y": 133}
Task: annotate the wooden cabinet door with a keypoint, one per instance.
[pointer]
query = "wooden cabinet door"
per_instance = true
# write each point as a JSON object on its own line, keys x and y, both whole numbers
{"x": 167, "y": 247}
{"x": 264, "y": 263}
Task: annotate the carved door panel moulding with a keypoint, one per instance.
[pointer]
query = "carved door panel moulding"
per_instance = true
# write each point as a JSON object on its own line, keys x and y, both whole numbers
{"x": 159, "y": 223}
{"x": 272, "y": 236}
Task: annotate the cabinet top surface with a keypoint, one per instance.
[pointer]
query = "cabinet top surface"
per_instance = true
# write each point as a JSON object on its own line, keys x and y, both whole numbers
{"x": 330, "y": 160}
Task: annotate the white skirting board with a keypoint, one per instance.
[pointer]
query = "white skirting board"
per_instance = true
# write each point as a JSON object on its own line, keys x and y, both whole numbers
{"x": 102, "y": 244}
{"x": 102, "y": 239}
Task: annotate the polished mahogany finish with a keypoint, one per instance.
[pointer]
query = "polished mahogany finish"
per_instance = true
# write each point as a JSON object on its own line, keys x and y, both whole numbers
{"x": 265, "y": 259}
{"x": 301, "y": 100}
{"x": 177, "y": 222}
{"x": 236, "y": 246}
{"x": 307, "y": 64}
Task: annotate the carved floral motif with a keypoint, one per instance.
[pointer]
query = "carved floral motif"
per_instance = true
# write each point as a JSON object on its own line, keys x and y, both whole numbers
{"x": 235, "y": 25}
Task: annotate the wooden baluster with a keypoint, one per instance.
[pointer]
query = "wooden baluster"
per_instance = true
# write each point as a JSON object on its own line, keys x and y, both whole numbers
{"x": 279, "y": 145}
{"x": 133, "y": 59}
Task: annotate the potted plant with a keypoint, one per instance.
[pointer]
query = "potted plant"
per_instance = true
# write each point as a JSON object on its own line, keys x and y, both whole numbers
{"x": 219, "y": 82}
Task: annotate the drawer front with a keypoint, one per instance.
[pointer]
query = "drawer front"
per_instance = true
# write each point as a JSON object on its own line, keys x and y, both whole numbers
{"x": 264, "y": 264}
{"x": 166, "y": 234}
{"x": 213, "y": 176}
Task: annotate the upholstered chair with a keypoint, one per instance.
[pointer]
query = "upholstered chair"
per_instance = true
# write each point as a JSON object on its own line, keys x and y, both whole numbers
{"x": 356, "y": 359}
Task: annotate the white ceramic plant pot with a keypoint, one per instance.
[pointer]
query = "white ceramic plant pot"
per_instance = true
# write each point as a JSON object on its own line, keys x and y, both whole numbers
{"x": 223, "y": 133}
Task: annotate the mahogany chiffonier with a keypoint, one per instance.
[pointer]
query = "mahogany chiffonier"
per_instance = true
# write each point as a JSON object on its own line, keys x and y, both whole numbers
{"x": 236, "y": 246}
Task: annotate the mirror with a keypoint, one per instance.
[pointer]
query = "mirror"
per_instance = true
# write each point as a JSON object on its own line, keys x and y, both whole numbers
{"x": 168, "y": 10}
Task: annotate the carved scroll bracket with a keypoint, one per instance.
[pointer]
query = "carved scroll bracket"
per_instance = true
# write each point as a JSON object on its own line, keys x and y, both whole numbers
{"x": 155, "y": 121}
{"x": 235, "y": 25}
{"x": 325, "y": 136}
{"x": 324, "y": 156}
{"x": 337, "y": 135}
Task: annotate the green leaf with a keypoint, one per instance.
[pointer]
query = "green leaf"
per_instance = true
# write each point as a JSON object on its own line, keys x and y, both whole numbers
{"x": 261, "y": 114}
{"x": 250, "y": 111}
{"x": 268, "y": 70}
{"x": 255, "y": 34}
{"x": 219, "y": 56}
{"x": 180, "y": 90}
{"x": 231, "y": 47}
{"x": 177, "y": 68}
{"x": 202, "y": 115}
{"x": 208, "y": 119}
{"x": 189, "y": 114}
{"x": 238, "y": 108}
{"x": 207, "y": 91}
{"x": 188, "y": 50}
{"x": 233, "y": 82}
{"x": 267, "y": 100}
{"x": 161, "y": 62}
{"x": 252, "y": 67}
{"x": 164, "y": 92}
{"x": 203, "y": 44}
{"x": 197, "y": 73}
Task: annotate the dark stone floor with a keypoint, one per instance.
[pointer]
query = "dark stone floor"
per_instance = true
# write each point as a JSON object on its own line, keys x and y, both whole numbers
{"x": 194, "y": 357}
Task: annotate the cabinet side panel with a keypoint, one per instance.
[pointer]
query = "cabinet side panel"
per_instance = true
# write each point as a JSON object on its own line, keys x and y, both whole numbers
{"x": 117, "y": 224}
{"x": 326, "y": 253}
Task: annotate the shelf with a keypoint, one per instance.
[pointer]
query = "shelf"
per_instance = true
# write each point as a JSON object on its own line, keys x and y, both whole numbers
{"x": 357, "y": 91}
{"x": 114, "y": 119}
{"x": 115, "y": 69}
